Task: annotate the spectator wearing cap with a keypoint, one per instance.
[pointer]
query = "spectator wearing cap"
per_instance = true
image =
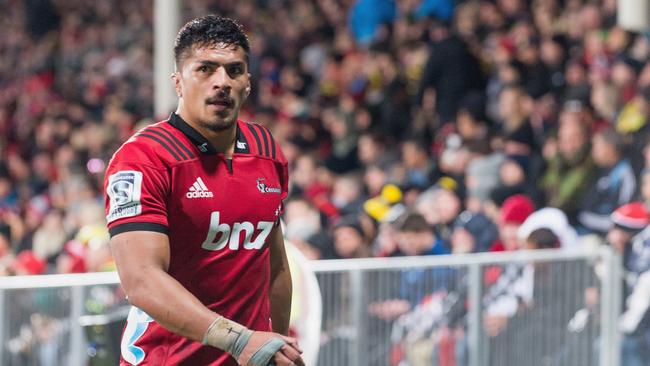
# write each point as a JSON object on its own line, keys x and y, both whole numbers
{"x": 536, "y": 288}
{"x": 473, "y": 232}
{"x": 552, "y": 219}
{"x": 613, "y": 185}
{"x": 630, "y": 237}
{"x": 514, "y": 212}
{"x": 570, "y": 167}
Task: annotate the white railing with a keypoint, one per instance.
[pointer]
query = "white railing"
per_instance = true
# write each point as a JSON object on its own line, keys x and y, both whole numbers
{"x": 348, "y": 287}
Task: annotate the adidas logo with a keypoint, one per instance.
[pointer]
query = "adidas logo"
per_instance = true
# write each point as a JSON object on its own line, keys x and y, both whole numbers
{"x": 199, "y": 190}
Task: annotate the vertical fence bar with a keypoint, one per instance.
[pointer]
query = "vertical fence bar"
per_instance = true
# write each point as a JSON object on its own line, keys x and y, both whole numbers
{"x": 357, "y": 313}
{"x": 611, "y": 306}
{"x": 76, "y": 331}
{"x": 605, "y": 309}
{"x": 3, "y": 326}
{"x": 617, "y": 298}
{"x": 475, "y": 326}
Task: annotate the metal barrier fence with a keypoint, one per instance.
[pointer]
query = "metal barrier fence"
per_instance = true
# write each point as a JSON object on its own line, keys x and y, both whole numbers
{"x": 524, "y": 308}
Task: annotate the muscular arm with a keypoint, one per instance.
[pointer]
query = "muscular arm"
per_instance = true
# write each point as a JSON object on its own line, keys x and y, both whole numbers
{"x": 280, "y": 287}
{"x": 142, "y": 259}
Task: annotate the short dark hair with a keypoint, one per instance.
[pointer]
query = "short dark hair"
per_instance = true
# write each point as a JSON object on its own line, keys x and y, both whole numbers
{"x": 413, "y": 222}
{"x": 209, "y": 31}
{"x": 544, "y": 238}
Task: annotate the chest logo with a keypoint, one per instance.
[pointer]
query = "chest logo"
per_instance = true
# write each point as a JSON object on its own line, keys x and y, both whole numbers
{"x": 240, "y": 234}
{"x": 199, "y": 190}
{"x": 262, "y": 187}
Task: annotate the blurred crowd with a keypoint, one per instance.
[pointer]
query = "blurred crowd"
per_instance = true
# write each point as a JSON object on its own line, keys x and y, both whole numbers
{"x": 412, "y": 127}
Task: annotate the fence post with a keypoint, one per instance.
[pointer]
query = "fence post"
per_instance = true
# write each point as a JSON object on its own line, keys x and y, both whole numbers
{"x": 357, "y": 313}
{"x": 3, "y": 327}
{"x": 475, "y": 326}
{"x": 77, "y": 349}
{"x": 610, "y": 299}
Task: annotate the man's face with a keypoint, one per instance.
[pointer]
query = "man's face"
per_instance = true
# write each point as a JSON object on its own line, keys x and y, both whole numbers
{"x": 415, "y": 242}
{"x": 212, "y": 82}
{"x": 571, "y": 139}
{"x": 508, "y": 234}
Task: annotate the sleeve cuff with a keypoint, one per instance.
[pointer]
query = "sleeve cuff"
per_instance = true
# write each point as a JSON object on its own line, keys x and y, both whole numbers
{"x": 137, "y": 226}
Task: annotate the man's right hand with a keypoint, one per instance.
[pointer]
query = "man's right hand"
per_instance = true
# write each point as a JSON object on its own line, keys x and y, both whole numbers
{"x": 287, "y": 355}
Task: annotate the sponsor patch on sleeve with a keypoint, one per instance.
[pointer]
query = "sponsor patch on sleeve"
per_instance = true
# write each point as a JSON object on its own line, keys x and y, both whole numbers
{"x": 124, "y": 190}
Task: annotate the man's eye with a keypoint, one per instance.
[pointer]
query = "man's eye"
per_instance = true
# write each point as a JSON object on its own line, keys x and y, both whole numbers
{"x": 202, "y": 69}
{"x": 235, "y": 70}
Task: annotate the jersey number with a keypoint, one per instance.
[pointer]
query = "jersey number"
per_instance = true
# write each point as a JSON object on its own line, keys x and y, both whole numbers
{"x": 231, "y": 237}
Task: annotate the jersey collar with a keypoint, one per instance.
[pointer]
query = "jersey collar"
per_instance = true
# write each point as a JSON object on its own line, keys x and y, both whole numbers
{"x": 201, "y": 143}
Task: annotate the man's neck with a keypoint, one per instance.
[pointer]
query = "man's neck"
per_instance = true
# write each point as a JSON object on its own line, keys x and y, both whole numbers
{"x": 223, "y": 141}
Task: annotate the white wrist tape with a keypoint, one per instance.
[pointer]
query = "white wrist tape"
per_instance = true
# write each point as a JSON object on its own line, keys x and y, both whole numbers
{"x": 227, "y": 335}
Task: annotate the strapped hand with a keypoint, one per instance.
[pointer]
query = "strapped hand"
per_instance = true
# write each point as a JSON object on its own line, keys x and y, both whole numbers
{"x": 252, "y": 348}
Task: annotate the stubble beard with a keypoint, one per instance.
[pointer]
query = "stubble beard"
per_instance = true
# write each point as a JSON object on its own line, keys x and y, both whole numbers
{"x": 219, "y": 124}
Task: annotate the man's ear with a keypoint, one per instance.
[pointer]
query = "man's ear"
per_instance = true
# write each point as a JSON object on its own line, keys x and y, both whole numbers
{"x": 247, "y": 91}
{"x": 176, "y": 78}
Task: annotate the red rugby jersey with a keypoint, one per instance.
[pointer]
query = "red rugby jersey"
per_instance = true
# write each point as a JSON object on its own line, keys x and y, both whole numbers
{"x": 217, "y": 213}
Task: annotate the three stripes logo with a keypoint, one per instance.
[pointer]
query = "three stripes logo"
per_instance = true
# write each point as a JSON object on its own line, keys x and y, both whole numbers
{"x": 199, "y": 190}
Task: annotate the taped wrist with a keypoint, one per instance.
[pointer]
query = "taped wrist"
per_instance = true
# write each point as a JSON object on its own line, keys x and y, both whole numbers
{"x": 264, "y": 355}
{"x": 227, "y": 335}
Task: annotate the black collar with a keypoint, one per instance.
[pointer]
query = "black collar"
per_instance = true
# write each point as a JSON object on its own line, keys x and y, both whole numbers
{"x": 201, "y": 143}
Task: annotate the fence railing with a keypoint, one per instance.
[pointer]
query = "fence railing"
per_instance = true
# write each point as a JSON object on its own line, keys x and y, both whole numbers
{"x": 524, "y": 307}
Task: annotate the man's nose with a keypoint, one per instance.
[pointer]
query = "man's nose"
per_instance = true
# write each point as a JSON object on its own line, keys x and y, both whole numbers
{"x": 221, "y": 79}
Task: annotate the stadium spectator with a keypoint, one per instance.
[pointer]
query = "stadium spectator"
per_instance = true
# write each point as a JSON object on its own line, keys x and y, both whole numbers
{"x": 570, "y": 168}
{"x": 514, "y": 212}
{"x": 451, "y": 71}
{"x": 393, "y": 107}
{"x": 472, "y": 233}
{"x": 630, "y": 237}
{"x": 539, "y": 285}
{"x": 349, "y": 239}
{"x": 344, "y": 102}
{"x": 613, "y": 186}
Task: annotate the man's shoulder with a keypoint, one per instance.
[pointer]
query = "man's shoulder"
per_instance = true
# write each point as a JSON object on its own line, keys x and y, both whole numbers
{"x": 259, "y": 141}
{"x": 158, "y": 144}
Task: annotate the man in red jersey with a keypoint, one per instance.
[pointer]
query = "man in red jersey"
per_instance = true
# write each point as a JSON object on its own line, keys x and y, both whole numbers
{"x": 193, "y": 206}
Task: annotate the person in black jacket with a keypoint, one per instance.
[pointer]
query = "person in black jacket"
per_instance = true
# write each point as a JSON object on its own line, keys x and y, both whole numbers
{"x": 451, "y": 71}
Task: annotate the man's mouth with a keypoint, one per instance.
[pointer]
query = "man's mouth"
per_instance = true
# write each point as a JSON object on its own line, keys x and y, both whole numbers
{"x": 220, "y": 102}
